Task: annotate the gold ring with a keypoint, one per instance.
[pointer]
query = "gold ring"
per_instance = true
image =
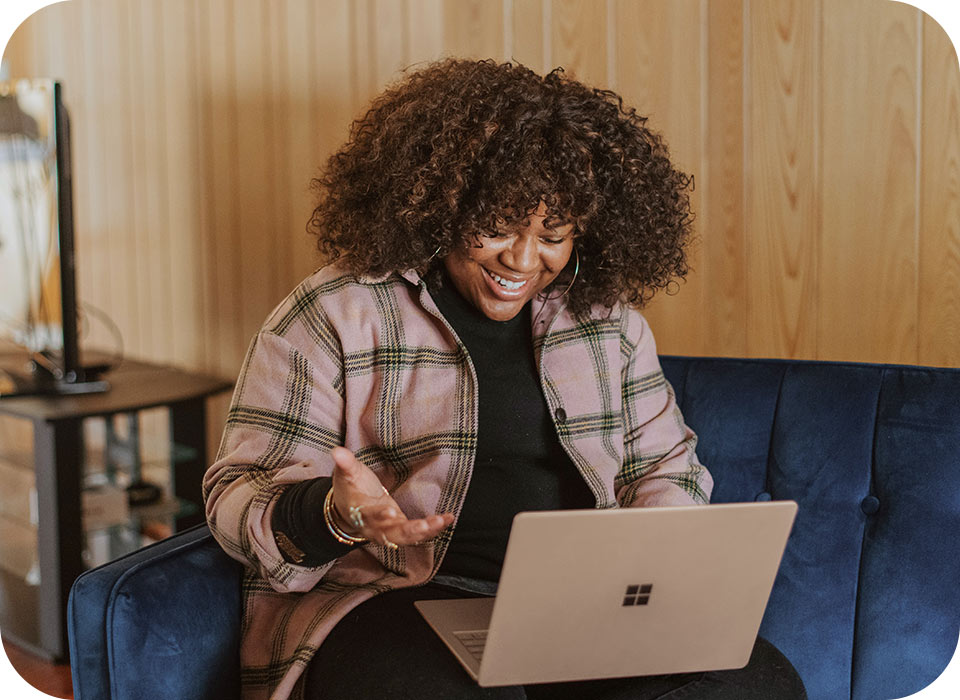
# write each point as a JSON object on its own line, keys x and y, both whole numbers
{"x": 356, "y": 516}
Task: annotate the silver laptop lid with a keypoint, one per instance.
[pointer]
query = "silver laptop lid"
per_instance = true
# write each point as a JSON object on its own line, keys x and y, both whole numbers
{"x": 636, "y": 591}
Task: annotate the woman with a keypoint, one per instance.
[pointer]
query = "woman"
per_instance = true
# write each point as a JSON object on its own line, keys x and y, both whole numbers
{"x": 471, "y": 352}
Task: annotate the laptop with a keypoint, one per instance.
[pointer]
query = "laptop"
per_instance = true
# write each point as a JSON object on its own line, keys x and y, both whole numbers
{"x": 587, "y": 594}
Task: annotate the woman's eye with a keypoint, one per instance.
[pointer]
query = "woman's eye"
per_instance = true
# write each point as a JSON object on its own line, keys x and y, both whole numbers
{"x": 554, "y": 241}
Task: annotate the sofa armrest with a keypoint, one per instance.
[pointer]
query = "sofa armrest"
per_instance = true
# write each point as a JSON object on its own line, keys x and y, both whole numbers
{"x": 162, "y": 622}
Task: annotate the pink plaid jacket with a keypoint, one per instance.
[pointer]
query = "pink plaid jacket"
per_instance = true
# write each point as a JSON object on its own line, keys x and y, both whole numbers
{"x": 372, "y": 365}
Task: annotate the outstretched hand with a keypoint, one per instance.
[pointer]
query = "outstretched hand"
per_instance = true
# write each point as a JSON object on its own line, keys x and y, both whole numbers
{"x": 356, "y": 486}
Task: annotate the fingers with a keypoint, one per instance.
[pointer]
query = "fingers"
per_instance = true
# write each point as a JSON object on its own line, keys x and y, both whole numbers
{"x": 381, "y": 515}
{"x": 388, "y": 524}
{"x": 404, "y": 531}
{"x": 384, "y": 522}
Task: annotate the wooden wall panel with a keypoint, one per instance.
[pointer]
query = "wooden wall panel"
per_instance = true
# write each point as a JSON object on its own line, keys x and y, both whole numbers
{"x": 720, "y": 221}
{"x": 391, "y": 39}
{"x": 210, "y": 240}
{"x": 362, "y": 69}
{"x": 217, "y": 184}
{"x": 184, "y": 258}
{"x": 659, "y": 73}
{"x": 255, "y": 139}
{"x": 142, "y": 172}
{"x": 425, "y": 29}
{"x": 86, "y": 188}
{"x": 578, "y": 39}
{"x": 116, "y": 141}
{"x": 827, "y": 201}
{"x": 939, "y": 314}
{"x": 473, "y": 28}
{"x": 205, "y": 239}
{"x": 528, "y": 34}
{"x": 279, "y": 95}
{"x": 296, "y": 87}
{"x": 381, "y": 30}
{"x": 103, "y": 288}
{"x": 781, "y": 177}
{"x": 868, "y": 258}
{"x": 16, "y": 54}
{"x": 331, "y": 112}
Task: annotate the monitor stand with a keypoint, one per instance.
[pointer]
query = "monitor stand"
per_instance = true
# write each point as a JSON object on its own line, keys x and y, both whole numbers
{"x": 27, "y": 377}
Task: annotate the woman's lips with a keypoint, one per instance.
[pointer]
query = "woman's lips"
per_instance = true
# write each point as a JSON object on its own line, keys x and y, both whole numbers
{"x": 501, "y": 291}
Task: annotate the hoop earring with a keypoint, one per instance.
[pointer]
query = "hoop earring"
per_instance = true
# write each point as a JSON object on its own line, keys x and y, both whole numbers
{"x": 576, "y": 270}
{"x": 435, "y": 254}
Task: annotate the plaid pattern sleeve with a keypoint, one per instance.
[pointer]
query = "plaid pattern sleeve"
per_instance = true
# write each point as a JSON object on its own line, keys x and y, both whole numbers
{"x": 660, "y": 465}
{"x": 283, "y": 419}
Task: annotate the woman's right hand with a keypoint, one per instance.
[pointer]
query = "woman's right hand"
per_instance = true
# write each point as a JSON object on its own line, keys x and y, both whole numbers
{"x": 356, "y": 486}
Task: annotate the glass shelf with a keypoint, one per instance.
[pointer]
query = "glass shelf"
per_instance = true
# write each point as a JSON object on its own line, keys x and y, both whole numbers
{"x": 119, "y": 449}
{"x": 121, "y": 456}
{"x": 168, "y": 508}
{"x": 146, "y": 525}
{"x": 165, "y": 509}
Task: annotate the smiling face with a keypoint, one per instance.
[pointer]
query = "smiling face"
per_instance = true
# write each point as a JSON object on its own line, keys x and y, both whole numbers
{"x": 511, "y": 267}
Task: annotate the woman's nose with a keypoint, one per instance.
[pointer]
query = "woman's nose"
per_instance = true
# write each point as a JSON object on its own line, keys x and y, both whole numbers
{"x": 522, "y": 255}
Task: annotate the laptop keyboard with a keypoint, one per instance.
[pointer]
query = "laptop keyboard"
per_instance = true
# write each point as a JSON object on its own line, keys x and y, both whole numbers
{"x": 474, "y": 641}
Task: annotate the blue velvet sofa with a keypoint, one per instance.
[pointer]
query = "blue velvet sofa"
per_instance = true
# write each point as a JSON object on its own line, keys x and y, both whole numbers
{"x": 866, "y": 603}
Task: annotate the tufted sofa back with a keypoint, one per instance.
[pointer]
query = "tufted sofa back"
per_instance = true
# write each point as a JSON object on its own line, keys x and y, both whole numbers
{"x": 867, "y": 601}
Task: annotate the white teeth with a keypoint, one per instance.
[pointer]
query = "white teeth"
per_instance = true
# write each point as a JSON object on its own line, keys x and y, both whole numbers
{"x": 506, "y": 284}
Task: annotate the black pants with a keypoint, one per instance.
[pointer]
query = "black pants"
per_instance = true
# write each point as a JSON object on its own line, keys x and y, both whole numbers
{"x": 384, "y": 650}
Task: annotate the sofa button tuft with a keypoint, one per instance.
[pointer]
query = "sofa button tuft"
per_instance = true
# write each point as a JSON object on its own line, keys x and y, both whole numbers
{"x": 763, "y": 496}
{"x": 870, "y": 505}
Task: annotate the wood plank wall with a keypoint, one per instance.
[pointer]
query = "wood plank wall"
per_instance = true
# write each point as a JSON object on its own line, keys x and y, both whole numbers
{"x": 824, "y": 136}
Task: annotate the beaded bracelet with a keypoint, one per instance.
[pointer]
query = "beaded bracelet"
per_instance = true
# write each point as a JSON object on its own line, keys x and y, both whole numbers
{"x": 335, "y": 530}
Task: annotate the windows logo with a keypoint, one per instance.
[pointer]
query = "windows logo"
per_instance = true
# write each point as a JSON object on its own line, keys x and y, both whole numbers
{"x": 637, "y": 594}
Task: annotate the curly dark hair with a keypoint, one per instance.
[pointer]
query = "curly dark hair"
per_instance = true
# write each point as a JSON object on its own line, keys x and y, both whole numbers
{"x": 462, "y": 148}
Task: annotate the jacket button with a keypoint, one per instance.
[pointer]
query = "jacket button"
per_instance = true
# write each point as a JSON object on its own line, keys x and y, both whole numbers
{"x": 763, "y": 496}
{"x": 870, "y": 505}
{"x": 560, "y": 414}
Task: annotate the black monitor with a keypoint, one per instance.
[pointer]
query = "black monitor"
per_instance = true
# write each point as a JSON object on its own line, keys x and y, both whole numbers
{"x": 39, "y": 346}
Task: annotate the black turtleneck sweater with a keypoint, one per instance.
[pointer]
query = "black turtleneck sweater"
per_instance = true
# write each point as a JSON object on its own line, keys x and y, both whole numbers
{"x": 520, "y": 464}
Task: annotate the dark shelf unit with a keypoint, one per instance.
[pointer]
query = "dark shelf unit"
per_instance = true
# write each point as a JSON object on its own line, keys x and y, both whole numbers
{"x": 33, "y": 614}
